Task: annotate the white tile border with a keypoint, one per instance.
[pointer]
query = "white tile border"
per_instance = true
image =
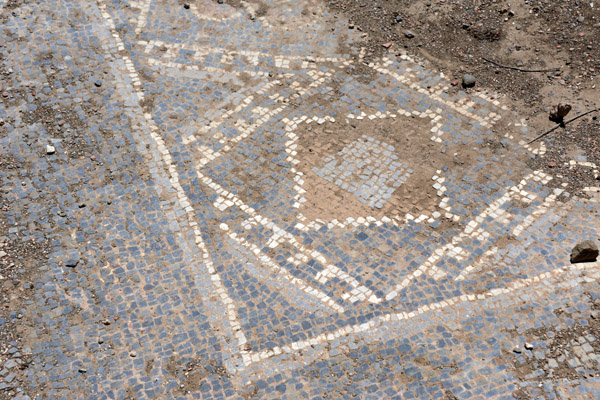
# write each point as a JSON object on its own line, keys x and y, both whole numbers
{"x": 183, "y": 200}
{"x": 585, "y": 272}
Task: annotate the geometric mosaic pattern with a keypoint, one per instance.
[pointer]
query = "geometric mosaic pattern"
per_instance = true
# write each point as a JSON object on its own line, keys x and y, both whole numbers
{"x": 368, "y": 169}
{"x": 221, "y": 258}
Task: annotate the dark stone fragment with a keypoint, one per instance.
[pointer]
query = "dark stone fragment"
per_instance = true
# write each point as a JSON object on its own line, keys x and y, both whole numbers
{"x": 586, "y": 251}
{"x": 71, "y": 262}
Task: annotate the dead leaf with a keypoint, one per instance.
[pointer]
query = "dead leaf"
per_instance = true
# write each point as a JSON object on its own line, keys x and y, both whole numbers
{"x": 559, "y": 112}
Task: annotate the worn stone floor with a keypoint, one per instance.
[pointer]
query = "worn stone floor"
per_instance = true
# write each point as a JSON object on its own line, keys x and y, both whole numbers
{"x": 239, "y": 204}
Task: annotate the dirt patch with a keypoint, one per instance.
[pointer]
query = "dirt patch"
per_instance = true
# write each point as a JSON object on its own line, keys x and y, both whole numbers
{"x": 262, "y": 9}
{"x": 147, "y": 103}
{"x": 576, "y": 142}
{"x": 335, "y": 160}
{"x": 13, "y": 4}
{"x": 192, "y": 373}
{"x": 455, "y": 37}
{"x": 148, "y": 366}
{"x": 63, "y": 125}
{"x": 250, "y": 393}
{"x": 557, "y": 353}
{"x": 19, "y": 261}
{"x": 537, "y": 34}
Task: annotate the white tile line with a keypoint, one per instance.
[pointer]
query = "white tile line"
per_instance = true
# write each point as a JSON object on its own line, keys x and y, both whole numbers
{"x": 183, "y": 200}
{"x": 201, "y": 68}
{"x": 234, "y": 98}
{"x": 252, "y": 13}
{"x": 265, "y": 116}
{"x": 281, "y": 271}
{"x": 451, "y": 249}
{"x": 216, "y": 122}
{"x": 573, "y": 163}
{"x": 380, "y": 322}
{"x": 492, "y": 99}
{"x": 471, "y": 231}
{"x": 292, "y": 125}
{"x": 144, "y": 6}
{"x": 485, "y": 122}
{"x": 516, "y": 232}
{"x": 539, "y": 151}
{"x": 202, "y": 16}
{"x": 539, "y": 211}
{"x": 358, "y": 292}
{"x": 173, "y": 172}
{"x": 281, "y": 61}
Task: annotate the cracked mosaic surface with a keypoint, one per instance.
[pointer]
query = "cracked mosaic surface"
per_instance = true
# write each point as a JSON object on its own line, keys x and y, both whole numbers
{"x": 266, "y": 222}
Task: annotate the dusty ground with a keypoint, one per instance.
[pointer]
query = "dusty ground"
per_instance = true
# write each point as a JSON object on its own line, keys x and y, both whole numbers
{"x": 458, "y": 37}
{"x": 454, "y": 37}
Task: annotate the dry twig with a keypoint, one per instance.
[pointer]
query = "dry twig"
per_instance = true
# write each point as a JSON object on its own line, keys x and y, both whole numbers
{"x": 520, "y": 69}
{"x": 563, "y": 124}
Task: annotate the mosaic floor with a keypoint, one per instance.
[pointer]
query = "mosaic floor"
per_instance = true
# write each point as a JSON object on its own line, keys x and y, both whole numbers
{"x": 255, "y": 210}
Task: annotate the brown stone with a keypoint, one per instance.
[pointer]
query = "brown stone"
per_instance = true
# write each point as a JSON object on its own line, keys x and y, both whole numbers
{"x": 586, "y": 251}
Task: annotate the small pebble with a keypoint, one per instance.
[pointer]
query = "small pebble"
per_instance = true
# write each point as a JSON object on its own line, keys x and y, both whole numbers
{"x": 50, "y": 149}
{"x": 72, "y": 262}
{"x": 528, "y": 346}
